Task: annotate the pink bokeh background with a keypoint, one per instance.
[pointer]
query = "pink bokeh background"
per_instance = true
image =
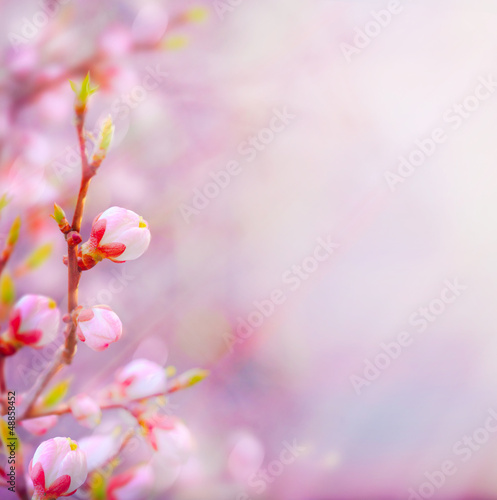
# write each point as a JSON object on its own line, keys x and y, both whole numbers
{"x": 322, "y": 175}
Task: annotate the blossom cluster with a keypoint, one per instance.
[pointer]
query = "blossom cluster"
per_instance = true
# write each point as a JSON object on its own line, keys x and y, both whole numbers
{"x": 61, "y": 465}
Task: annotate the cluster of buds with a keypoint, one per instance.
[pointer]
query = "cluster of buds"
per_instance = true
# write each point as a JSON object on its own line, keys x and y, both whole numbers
{"x": 60, "y": 466}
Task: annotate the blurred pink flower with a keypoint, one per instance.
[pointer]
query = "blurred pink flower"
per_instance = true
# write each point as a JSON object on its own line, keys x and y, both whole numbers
{"x": 134, "y": 483}
{"x": 39, "y": 426}
{"x": 141, "y": 378}
{"x": 169, "y": 436}
{"x": 85, "y": 410}
{"x": 34, "y": 322}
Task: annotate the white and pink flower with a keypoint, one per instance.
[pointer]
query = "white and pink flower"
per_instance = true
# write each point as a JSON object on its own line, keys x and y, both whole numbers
{"x": 137, "y": 482}
{"x": 140, "y": 378}
{"x": 116, "y": 234}
{"x": 34, "y": 322}
{"x": 85, "y": 410}
{"x": 98, "y": 327}
{"x": 58, "y": 469}
{"x": 40, "y": 425}
{"x": 168, "y": 436}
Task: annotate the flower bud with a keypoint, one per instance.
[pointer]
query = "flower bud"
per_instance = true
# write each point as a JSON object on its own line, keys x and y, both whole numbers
{"x": 98, "y": 327}
{"x": 141, "y": 379}
{"x": 137, "y": 482}
{"x": 34, "y": 322}
{"x": 58, "y": 468}
{"x": 169, "y": 436}
{"x": 173, "y": 442}
{"x": 83, "y": 92}
{"x": 103, "y": 142}
{"x": 85, "y": 410}
{"x": 60, "y": 217}
{"x": 116, "y": 234}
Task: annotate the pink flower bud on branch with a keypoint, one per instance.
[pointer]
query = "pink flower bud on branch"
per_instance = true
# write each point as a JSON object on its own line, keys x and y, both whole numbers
{"x": 39, "y": 426}
{"x": 74, "y": 238}
{"x": 98, "y": 327}
{"x": 85, "y": 410}
{"x": 118, "y": 235}
{"x": 58, "y": 469}
{"x": 140, "y": 379}
{"x": 169, "y": 436}
{"x": 137, "y": 482}
{"x": 34, "y": 322}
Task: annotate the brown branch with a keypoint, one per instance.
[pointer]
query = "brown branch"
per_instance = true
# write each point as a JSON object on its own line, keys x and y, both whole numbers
{"x": 65, "y": 354}
{"x": 104, "y": 405}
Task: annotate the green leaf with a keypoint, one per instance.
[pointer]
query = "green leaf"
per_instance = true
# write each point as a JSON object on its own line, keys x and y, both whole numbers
{"x": 56, "y": 394}
{"x": 9, "y": 437}
{"x": 85, "y": 91}
{"x": 14, "y": 232}
{"x": 191, "y": 377}
{"x": 39, "y": 256}
{"x": 59, "y": 214}
{"x": 7, "y": 289}
{"x": 4, "y": 201}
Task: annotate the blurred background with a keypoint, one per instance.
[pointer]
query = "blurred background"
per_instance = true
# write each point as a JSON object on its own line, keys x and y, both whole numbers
{"x": 315, "y": 175}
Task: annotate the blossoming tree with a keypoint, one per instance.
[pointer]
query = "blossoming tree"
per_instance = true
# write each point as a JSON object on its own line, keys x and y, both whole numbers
{"x": 60, "y": 466}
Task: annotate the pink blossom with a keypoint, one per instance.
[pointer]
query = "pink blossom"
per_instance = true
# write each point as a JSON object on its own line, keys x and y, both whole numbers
{"x": 169, "y": 436}
{"x": 118, "y": 235}
{"x": 98, "y": 327}
{"x": 40, "y": 425}
{"x": 135, "y": 483}
{"x": 99, "y": 449}
{"x": 141, "y": 378}
{"x": 34, "y": 322}
{"x": 85, "y": 410}
{"x": 58, "y": 468}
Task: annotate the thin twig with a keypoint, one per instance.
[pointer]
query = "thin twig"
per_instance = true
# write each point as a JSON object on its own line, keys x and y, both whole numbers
{"x": 65, "y": 355}
{"x": 104, "y": 405}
